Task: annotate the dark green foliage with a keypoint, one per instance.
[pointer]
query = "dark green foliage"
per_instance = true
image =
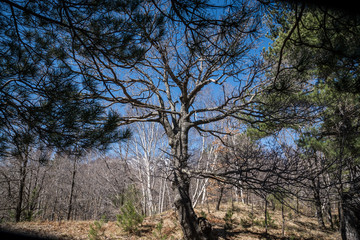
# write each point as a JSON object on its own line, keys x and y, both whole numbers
{"x": 324, "y": 50}
{"x": 158, "y": 232}
{"x": 129, "y": 218}
{"x": 245, "y": 223}
{"x": 39, "y": 84}
{"x": 228, "y": 218}
{"x": 269, "y": 221}
{"x": 203, "y": 214}
{"x": 97, "y": 230}
{"x": 249, "y": 221}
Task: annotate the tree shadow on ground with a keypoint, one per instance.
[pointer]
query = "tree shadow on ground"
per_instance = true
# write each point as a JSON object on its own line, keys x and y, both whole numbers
{"x": 307, "y": 225}
{"x": 223, "y": 234}
{"x": 18, "y": 235}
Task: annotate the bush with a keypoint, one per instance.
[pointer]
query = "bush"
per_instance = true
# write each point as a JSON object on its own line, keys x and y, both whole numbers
{"x": 158, "y": 234}
{"x": 229, "y": 221}
{"x": 129, "y": 219}
{"x": 270, "y": 221}
{"x": 249, "y": 221}
{"x": 97, "y": 231}
{"x": 245, "y": 223}
{"x": 203, "y": 214}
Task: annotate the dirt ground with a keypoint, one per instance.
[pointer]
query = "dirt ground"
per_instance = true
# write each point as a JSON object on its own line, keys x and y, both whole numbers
{"x": 245, "y": 225}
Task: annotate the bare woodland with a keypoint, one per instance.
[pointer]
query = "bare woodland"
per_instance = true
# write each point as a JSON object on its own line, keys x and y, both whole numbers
{"x": 205, "y": 116}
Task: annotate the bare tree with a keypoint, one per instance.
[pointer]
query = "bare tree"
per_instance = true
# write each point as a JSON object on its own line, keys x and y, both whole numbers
{"x": 147, "y": 150}
{"x": 188, "y": 49}
{"x": 176, "y": 70}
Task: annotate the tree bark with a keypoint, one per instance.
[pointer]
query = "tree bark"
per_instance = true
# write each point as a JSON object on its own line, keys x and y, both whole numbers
{"x": 19, "y": 209}
{"x": 318, "y": 203}
{"x": 266, "y": 216}
{"x": 319, "y": 214}
{"x": 181, "y": 183}
{"x": 283, "y": 220}
{"x": 186, "y": 213}
{"x": 220, "y": 198}
{"x": 329, "y": 214}
{"x": 71, "y": 191}
{"x": 350, "y": 214}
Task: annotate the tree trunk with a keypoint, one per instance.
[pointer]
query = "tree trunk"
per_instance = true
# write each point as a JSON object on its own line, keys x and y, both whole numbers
{"x": 148, "y": 189}
{"x": 181, "y": 183}
{"x": 71, "y": 191}
{"x": 19, "y": 209}
{"x": 242, "y": 196}
{"x": 220, "y": 198}
{"x": 329, "y": 214}
{"x": 319, "y": 214}
{"x": 266, "y": 216}
{"x": 350, "y": 217}
{"x": 283, "y": 220}
{"x": 318, "y": 204}
{"x": 186, "y": 214}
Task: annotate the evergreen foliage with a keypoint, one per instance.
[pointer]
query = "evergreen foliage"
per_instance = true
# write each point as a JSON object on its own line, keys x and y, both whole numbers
{"x": 158, "y": 232}
{"x": 323, "y": 51}
{"x": 40, "y": 89}
{"x": 97, "y": 230}
{"x": 129, "y": 218}
{"x": 228, "y": 218}
{"x": 63, "y": 69}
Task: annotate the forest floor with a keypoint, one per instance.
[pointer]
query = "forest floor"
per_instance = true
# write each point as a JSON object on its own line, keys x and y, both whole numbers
{"x": 244, "y": 226}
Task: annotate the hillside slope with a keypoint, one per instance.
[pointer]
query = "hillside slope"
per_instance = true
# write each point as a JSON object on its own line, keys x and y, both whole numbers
{"x": 244, "y": 225}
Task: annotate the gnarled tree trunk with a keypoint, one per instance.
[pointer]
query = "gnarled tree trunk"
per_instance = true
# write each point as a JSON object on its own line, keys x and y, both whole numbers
{"x": 350, "y": 217}
{"x": 181, "y": 184}
{"x": 185, "y": 211}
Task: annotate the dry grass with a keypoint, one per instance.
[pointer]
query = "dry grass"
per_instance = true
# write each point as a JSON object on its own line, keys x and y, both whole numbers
{"x": 299, "y": 228}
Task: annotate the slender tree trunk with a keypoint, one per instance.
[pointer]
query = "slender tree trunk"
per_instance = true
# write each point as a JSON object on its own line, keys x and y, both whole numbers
{"x": 143, "y": 193}
{"x": 161, "y": 195}
{"x": 52, "y": 216}
{"x": 266, "y": 216}
{"x": 71, "y": 191}
{"x": 242, "y": 195}
{"x": 318, "y": 203}
{"x": 18, "y": 209}
{"x": 148, "y": 189}
{"x": 20, "y": 200}
{"x": 319, "y": 214}
{"x": 297, "y": 204}
{"x": 247, "y": 196}
{"x": 329, "y": 214}
{"x": 200, "y": 193}
{"x": 204, "y": 196}
{"x": 220, "y": 198}
{"x": 283, "y": 220}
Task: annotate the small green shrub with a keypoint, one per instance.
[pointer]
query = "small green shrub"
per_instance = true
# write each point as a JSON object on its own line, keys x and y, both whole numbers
{"x": 245, "y": 223}
{"x": 249, "y": 221}
{"x": 97, "y": 231}
{"x": 258, "y": 223}
{"x": 28, "y": 215}
{"x": 292, "y": 238}
{"x": 129, "y": 219}
{"x": 203, "y": 214}
{"x": 229, "y": 221}
{"x": 158, "y": 234}
{"x": 290, "y": 216}
{"x": 252, "y": 217}
{"x": 270, "y": 221}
